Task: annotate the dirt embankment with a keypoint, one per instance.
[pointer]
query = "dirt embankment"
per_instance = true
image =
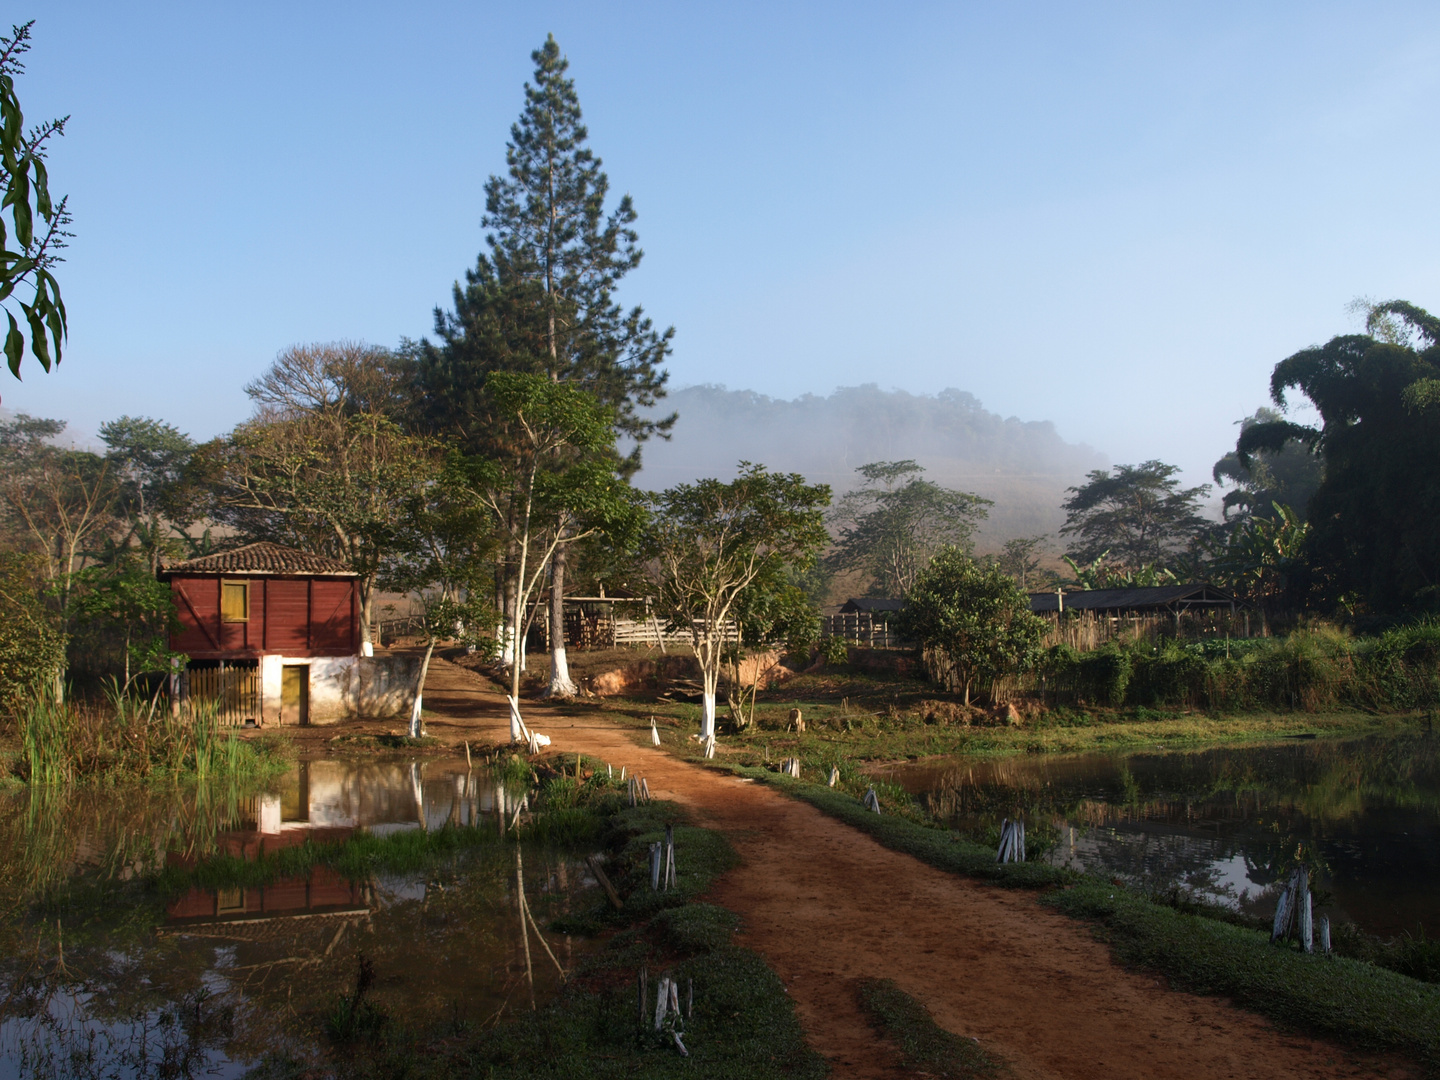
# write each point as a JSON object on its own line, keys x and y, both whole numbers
{"x": 826, "y": 906}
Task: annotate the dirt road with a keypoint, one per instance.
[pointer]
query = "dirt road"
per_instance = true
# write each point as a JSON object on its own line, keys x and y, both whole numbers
{"x": 826, "y": 905}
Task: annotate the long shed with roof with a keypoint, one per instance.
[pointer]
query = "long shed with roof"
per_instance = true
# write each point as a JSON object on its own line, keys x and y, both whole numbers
{"x": 273, "y": 634}
{"x": 1090, "y": 617}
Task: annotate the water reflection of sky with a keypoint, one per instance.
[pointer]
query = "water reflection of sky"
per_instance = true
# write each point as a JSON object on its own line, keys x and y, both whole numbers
{"x": 225, "y": 976}
{"x": 1224, "y": 823}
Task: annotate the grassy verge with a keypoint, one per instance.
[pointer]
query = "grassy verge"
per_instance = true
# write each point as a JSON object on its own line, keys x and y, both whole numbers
{"x": 1355, "y": 1002}
{"x": 866, "y": 730}
{"x": 924, "y": 1045}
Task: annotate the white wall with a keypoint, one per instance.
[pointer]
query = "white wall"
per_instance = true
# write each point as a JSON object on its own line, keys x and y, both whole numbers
{"x": 344, "y": 687}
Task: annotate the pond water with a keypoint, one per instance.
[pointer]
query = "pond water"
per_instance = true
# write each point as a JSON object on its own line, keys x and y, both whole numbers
{"x": 1225, "y": 824}
{"x": 104, "y": 974}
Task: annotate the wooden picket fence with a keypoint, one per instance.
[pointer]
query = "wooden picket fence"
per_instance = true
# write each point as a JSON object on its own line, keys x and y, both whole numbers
{"x": 235, "y": 692}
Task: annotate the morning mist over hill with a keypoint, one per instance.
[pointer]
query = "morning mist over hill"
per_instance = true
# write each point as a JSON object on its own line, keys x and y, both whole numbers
{"x": 1024, "y": 466}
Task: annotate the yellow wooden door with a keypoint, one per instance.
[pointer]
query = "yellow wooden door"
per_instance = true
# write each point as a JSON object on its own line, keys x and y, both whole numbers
{"x": 295, "y": 694}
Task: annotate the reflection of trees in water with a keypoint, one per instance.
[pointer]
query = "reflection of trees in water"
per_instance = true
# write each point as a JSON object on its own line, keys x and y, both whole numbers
{"x": 175, "y": 1001}
{"x": 1148, "y": 861}
{"x": 1357, "y": 812}
{"x": 1320, "y": 781}
{"x": 93, "y": 983}
{"x": 62, "y": 838}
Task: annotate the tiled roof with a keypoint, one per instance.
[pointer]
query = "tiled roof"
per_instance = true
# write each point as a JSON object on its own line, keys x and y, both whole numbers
{"x": 261, "y": 558}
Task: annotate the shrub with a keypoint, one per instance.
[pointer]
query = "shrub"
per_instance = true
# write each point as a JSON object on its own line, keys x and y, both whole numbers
{"x": 1314, "y": 668}
{"x": 32, "y": 651}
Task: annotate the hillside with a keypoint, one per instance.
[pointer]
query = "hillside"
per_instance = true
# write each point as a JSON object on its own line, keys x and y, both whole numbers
{"x": 1025, "y": 466}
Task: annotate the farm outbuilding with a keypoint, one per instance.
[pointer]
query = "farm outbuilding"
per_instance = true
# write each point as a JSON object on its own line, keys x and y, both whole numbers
{"x": 864, "y": 621}
{"x": 273, "y": 635}
{"x": 1088, "y": 617}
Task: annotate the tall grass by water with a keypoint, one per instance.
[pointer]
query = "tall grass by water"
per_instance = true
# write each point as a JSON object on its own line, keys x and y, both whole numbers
{"x": 130, "y": 738}
{"x": 1313, "y": 669}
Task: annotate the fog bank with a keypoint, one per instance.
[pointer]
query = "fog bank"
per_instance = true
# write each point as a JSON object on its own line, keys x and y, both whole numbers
{"x": 1024, "y": 466}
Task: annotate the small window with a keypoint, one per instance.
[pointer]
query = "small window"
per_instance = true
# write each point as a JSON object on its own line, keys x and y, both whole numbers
{"x": 234, "y": 601}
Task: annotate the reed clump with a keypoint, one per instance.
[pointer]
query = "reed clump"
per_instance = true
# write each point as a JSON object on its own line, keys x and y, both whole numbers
{"x": 130, "y": 738}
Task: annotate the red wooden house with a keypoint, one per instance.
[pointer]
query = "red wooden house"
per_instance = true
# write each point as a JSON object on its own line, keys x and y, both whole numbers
{"x": 264, "y": 598}
{"x": 272, "y": 633}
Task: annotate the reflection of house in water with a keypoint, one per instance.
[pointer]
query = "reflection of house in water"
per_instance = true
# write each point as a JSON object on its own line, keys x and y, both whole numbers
{"x": 267, "y": 825}
{"x": 326, "y": 801}
{"x": 321, "y": 892}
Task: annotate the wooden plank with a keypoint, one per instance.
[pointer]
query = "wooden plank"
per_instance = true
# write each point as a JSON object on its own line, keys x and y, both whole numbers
{"x": 199, "y": 622}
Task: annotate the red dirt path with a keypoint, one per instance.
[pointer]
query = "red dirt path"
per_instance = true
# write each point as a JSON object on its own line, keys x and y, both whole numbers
{"x": 826, "y": 905}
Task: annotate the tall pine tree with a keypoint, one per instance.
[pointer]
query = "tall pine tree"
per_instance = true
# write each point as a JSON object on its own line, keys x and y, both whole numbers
{"x": 541, "y": 300}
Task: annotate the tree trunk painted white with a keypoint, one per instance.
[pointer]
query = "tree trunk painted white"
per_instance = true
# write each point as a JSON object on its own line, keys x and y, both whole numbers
{"x": 561, "y": 684}
{"x": 518, "y": 730}
{"x": 711, "y": 677}
{"x": 417, "y": 727}
{"x": 367, "y": 616}
{"x": 508, "y": 621}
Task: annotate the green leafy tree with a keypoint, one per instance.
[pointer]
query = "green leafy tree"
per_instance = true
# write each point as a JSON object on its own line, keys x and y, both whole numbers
{"x": 444, "y": 564}
{"x": 1375, "y": 518}
{"x": 148, "y": 458}
{"x": 542, "y": 300}
{"x": 1266, "y": 478}
{"x": 1263, "y": 555}
{"x": 895, "y": 522}
{"x": 59, "y": 503}
{"x": 1021, "y": 559}
{"x": 557, "y": 484}
{"x": 1099, "y": 573}
{"x": 1138, "y": 514}
{"x": 976, "y": 617}
{"x": 323, "y": 464}
{"x": 126, "y": 597}
{"x": 30, "y": 244}
{"x": 710, "y": 543}
{"x": 32, "y": 646}
{"x": 774, "y": 613}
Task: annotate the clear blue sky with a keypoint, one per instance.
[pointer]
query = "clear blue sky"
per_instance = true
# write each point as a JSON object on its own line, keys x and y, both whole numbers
{"x": 1114, "y": 217}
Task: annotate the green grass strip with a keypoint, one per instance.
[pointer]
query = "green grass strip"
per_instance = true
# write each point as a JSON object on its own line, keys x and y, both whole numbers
{"x": 924, "y": 1044}
{"x": 1358, "y": 1003}
{"x": 938, "y": 847}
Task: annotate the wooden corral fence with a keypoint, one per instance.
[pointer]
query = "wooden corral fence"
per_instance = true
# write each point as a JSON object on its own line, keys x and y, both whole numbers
{"x": 234, "y": 691}
{"x": 863, "y": 629}
{"x": 601, "y": 630}
{"x": 387, "y": 630}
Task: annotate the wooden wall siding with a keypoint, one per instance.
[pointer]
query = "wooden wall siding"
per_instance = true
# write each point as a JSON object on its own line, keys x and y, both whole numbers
{"x": 288, "y": 616}
{"x": 331, "y": 620}
{"x": 287, "y": 630}
{"x": 197, "y": 603}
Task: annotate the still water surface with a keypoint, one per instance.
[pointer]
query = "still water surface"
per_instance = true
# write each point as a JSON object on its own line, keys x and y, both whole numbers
{"x": 1227, "y": 823}
{"x": 104, "y": 975}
